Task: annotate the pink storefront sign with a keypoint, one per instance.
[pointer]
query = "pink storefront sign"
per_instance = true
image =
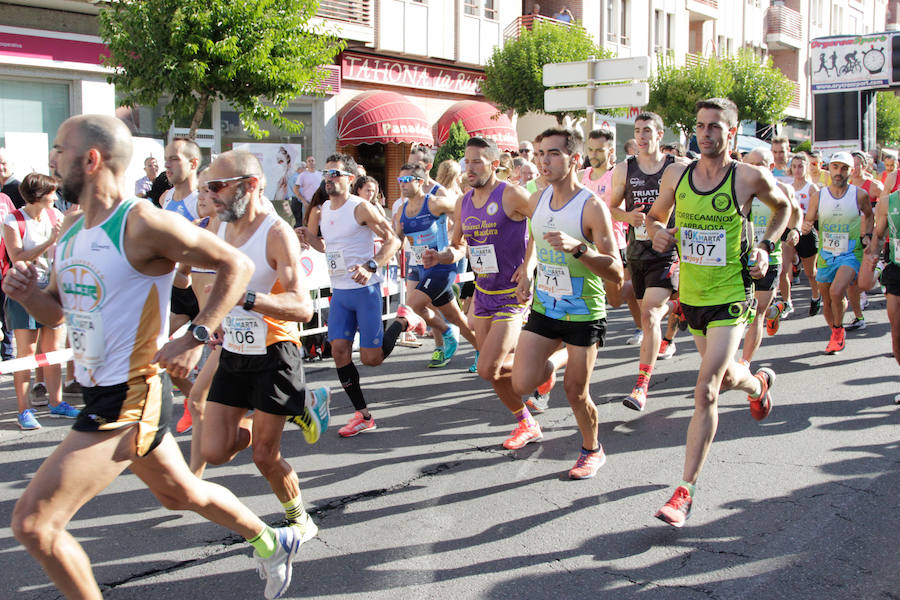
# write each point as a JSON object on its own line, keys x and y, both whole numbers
{"x": 48, "y": 48}
{"x": 402, "y": 73}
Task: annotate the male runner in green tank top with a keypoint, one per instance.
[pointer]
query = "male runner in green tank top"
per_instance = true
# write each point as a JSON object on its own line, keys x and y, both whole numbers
{"x": 711, "y": 198}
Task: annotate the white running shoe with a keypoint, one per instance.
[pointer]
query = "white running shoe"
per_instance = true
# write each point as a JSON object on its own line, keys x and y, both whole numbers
{"x": 636, "y": 338}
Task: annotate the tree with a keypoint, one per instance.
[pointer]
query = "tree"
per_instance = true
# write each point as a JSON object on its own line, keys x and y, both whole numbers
{"x": 513, "y": 75}
{"x": 887, "y": 119}
{"x": 760, "y": 91}
{"x": 453, "y": 149}
{"x": 256, "y": 54}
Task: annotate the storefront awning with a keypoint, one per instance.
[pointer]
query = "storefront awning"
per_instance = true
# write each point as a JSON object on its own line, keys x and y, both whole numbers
{"x": 382, "y": 118}
{"x": 481, "y": 119}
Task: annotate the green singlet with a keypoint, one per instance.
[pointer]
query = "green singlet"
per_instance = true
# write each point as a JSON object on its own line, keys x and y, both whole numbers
{"x": 761, "y": 215}
{"x": 893, "y": 219}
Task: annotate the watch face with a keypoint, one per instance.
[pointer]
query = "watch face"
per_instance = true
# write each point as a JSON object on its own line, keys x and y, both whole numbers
{"x": 201, "y": 333}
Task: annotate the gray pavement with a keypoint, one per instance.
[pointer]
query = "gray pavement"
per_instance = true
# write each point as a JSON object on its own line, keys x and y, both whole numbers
{"x": 802, "y": 505}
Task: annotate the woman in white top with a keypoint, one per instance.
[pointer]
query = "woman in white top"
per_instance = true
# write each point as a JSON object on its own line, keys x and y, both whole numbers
{"x": 30, "y": 234}
{"x": 807, "y": 248}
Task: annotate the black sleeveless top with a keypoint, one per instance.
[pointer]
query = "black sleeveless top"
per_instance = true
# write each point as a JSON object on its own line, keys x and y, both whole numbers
{"x": 641, "y": 191}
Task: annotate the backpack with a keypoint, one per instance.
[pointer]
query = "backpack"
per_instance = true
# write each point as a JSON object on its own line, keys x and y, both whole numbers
{"x": 5, "y": 262}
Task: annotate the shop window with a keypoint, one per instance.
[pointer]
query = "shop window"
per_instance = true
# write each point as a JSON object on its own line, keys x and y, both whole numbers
{"x": 32, "y": 107}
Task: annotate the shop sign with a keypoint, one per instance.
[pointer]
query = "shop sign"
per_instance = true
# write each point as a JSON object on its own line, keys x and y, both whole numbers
{"x": 401, "y": 73}
{"x": 841, "y": 63}
{"x": 51, "y": 48}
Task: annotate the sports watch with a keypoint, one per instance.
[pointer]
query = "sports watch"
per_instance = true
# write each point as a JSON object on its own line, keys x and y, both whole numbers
{"x": 249, "y": 300}
{"x": 371, "y": 265}
{"x": 579, "y": 250}
{"x": 767, "y": 245}
{"x": 200, "y": 332}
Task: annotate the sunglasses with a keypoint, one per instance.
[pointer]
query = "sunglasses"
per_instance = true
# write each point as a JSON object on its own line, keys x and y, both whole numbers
{"x": 408, "y": 178}
{"x": 524, "y": 150}
{"x": 217, "y": 185}
{"x": 331, "y": 173}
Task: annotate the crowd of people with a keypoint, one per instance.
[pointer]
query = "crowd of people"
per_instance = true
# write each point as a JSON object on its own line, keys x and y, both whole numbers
{"x": 555, "y": 236}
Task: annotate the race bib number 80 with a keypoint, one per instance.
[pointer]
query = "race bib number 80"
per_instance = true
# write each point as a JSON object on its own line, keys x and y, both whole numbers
{"x": 85, "y": 331}
{"x": 703, "y": 247}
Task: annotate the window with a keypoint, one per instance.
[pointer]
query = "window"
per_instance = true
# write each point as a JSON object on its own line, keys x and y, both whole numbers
{"x": 611, "y": 20}
{"x": 32, "y": 107}
{"x": 670, "y": 31}
{"x": 817, "y": 12}
{"x": 729, "y": 46}
{"x": 837, "y": 19}
{"x": 625, "y": 14}
{"x": 658, "y": 31}
{"x": 470, "y": 7}
{"x": 490, "y": 10}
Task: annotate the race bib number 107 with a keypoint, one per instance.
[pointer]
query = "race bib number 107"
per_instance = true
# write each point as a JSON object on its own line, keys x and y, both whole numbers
{"x": 703, "y": 247}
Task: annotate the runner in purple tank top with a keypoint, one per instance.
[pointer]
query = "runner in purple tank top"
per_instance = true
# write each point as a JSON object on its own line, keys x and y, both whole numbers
{"x": 491, "y": 221}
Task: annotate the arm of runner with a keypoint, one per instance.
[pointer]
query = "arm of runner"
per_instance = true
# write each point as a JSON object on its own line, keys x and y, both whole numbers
{"x": 616, "y": 202}
{"x": 865, "y": 207}
{"x": 872, "y": 253}
{"x": 294, "y": 303}
{"x": 524, "y": 275}
{"x": 604, "y": 260}
{"x": 658, "y": 217}
{"x": 812, "y": 212}
{"x": 182, "y": 276}
{"x": 761, "y": 183}
{"x": 309, "y": 234}
{"x": 366, "y": 214}
{"x": 14, "y": 244}
{"x": 791, "y": 234}
{"x": 456, "y": 250}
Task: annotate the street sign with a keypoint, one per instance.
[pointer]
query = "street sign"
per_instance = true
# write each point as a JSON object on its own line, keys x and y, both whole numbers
{"x": 603, "y": 96}
{"x": 585, "y": 71}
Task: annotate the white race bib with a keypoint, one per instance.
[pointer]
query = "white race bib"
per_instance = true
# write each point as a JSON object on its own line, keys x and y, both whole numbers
{"x": 245, "y": 333}
{"x": 484, "y": 259}
{"x": 554, "y": 280}
{"x": 640, "y": 233}
{"x": 703, "y": 247}
{"x": 836, "y": 243}
{"x": 336, "y": 264}
{"x": 896, "y": 243}
{"x": 759, "y": 234}
{"x": 415, "y": 256}
{"x": 85, "y": 331}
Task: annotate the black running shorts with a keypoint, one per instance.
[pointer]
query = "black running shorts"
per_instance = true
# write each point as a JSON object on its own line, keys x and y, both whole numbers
{"x": 267, "y": 382}
{"x": 575, "y": 333}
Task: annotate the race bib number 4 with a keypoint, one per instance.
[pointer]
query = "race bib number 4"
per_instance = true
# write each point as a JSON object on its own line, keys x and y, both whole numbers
{"x": 85, "y": 331}
{"x": 703, "y": 247}
{"x": 835, "y": 243}
{"x": 244, "y": 333}
{"x": 484, "y": 259}
{"x": 554, "y": 280}
{"x": 336, "y": 265}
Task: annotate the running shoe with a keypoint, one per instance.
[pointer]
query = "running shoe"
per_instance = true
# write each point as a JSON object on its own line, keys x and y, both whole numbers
{"x": 523, "y": 434}
{"x": 27, "y": 420}
{"x": 316, "y": 414}
{"x": 73, "y": 388}
{"x": 636, "y": 338}
{"x": 666, "y": 349}
{"x": 474, "y": 367}
{"x": 762, "y": 406}
{"x": 38, "y": 393}
{"x": 306, "y": 527}
{"x": 858, "y": 323}
{"x": 836, "y": 344}
{"x": 413, "y": 321}
{"x": 357, "y": 424}
{"x": 788, "y": 310}
{"x": 276, "y": 569}
{"x": 438, "y": 359}
{"x": 863, "y": 300}
{"x": 815, "y": 305}
{"x": 408, "y": 339}
{"x": 544, "y": 388}
{"x": 185, "y": 423}
{"x": 450, "y": 342}
{"x": 588, "y": 464}
{"x": 773, "y": 317}
{"x": 64, "y": 410}
{"x": 676, "y": 511}
{"x": 537, "y": 402}
{"x": 636, "y": 400}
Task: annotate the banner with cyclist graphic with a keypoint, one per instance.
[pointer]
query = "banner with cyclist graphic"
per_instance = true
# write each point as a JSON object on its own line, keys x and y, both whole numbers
{"x": 840, "y": 63}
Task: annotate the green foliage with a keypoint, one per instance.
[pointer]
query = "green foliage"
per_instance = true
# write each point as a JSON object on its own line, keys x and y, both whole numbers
{"x": 514, "y": 73}
{"x": 453, "y": 149}
{"x": 887, "y": 119}
{"x": 257, "y": 55}
{"x": 760, "y": 91}
{"x": 804, "y": 146}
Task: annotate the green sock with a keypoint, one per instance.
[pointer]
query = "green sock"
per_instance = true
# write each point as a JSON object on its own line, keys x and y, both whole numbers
{"x": 689, "y": 486}
{"x": 265, "y": 543}
{"x": 293, "y": 509}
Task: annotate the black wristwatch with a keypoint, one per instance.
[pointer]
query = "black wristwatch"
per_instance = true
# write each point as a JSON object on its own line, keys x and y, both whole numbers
{"x": 581, "y": 249}
{"x": 371, "y": 265}
{"x": 200, "y": 332}
{"x": 249, "y": 300}
{"x": 767, "y": 245}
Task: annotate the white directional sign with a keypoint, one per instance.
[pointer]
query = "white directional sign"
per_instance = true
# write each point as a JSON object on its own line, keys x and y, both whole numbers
{"x": 581, "y": 72}
{"x": 603, "y": 96}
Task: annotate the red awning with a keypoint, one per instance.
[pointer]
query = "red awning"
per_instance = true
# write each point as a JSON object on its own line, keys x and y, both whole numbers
{"x": 382, "y": 117}
{"x": 479, "y": 118}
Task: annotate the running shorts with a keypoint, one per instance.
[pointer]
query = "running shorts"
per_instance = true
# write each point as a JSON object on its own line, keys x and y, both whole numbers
{"x": 769, "y": 280}
{"x": 701, "y": 318}
{"x": 355, "y": 310}
{"x": 575, "y": 333}
{"x": 497, "y": 306}
{"x": 269, "y": 382}
{"x": 890, "y": 279}
{"x": 438, "y": 285}
{"x": 826, "y": 273}
{"x": 808, "y": 245}
{"x": 651, "y": 273}
{"x": 184, "y": 302}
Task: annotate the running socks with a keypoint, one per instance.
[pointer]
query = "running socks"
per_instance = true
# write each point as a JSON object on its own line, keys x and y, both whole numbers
{"x": 689, "y": 486}
{"x": 293, "y": 509}
{"x": 523, "y": 416}
{"x": 643, "y": 380}
{"x": 265, "y": 542}
{"x": 390, "y": 337}
{"x": 349, "y": 378}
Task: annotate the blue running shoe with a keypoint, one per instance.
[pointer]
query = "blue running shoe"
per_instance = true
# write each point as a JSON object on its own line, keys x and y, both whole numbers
{"x": 316, "y": 414}
{"x": 474, "y": 367}
{"x": 27, "y": 420}
{"x": 64, "y": 410}
{"x": 276, "y": 569}
{"x": 450, "y": 342}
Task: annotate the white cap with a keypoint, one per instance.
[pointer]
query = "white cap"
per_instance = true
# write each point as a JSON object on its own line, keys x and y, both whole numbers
{"x": 842, "y": 157}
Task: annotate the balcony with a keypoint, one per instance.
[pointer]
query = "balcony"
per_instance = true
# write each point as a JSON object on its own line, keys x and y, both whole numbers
{"x": 526, "y": 23}
{"x": 784, "y": 28}
{"x": 702, "y": 10}
{"x": 349, "y": 19}
{"x": 795, "y": 98}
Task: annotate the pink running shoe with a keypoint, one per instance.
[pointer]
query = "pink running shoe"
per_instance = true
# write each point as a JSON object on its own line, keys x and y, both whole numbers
{"x": 357, "y": 424}
{"x": 588, "y": 464}
{"x": 523, "y": 434}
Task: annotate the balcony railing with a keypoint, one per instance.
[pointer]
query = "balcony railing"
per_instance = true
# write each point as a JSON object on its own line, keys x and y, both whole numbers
{"x": 795, "y": 97}
{"x": 526, "y": 23}
{"x": 358, "y": 12}
{"x": 781, "y": 20}
{"x": 709, "y": 3}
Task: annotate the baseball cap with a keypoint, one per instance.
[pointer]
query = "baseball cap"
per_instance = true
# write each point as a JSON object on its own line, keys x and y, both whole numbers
{"x": 842, "y": 157}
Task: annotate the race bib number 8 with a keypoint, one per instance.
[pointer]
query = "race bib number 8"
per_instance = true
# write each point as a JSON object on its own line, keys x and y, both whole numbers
{"x": 85, "y": 331}
{"x": 835, "y": 243}
{"x": 554, "y": 280}
{"x": 336, "y": 264}
{"x": 244, "y": 333}
{"x": 484, "y": 259}
{"x": 703, "y": 247}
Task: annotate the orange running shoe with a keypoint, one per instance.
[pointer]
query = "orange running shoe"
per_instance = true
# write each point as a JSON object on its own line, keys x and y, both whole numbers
{"x": 185, "y": 423}
{"x": 762, "y": 406}
{"x": 676, "y": 511}
{"x": 588, "y": 464}
{"x": 523, "y": 434}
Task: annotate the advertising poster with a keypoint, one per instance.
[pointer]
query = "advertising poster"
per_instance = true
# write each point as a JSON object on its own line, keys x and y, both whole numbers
{"x": 278, "y": 161}
{"x": 143, "y": 149}
{"x": 842, "y": 63}
{"x": 29, "y": 152}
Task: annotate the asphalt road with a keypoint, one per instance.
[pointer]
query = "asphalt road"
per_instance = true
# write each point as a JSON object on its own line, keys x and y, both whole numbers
{"x": 802, "y": 505}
